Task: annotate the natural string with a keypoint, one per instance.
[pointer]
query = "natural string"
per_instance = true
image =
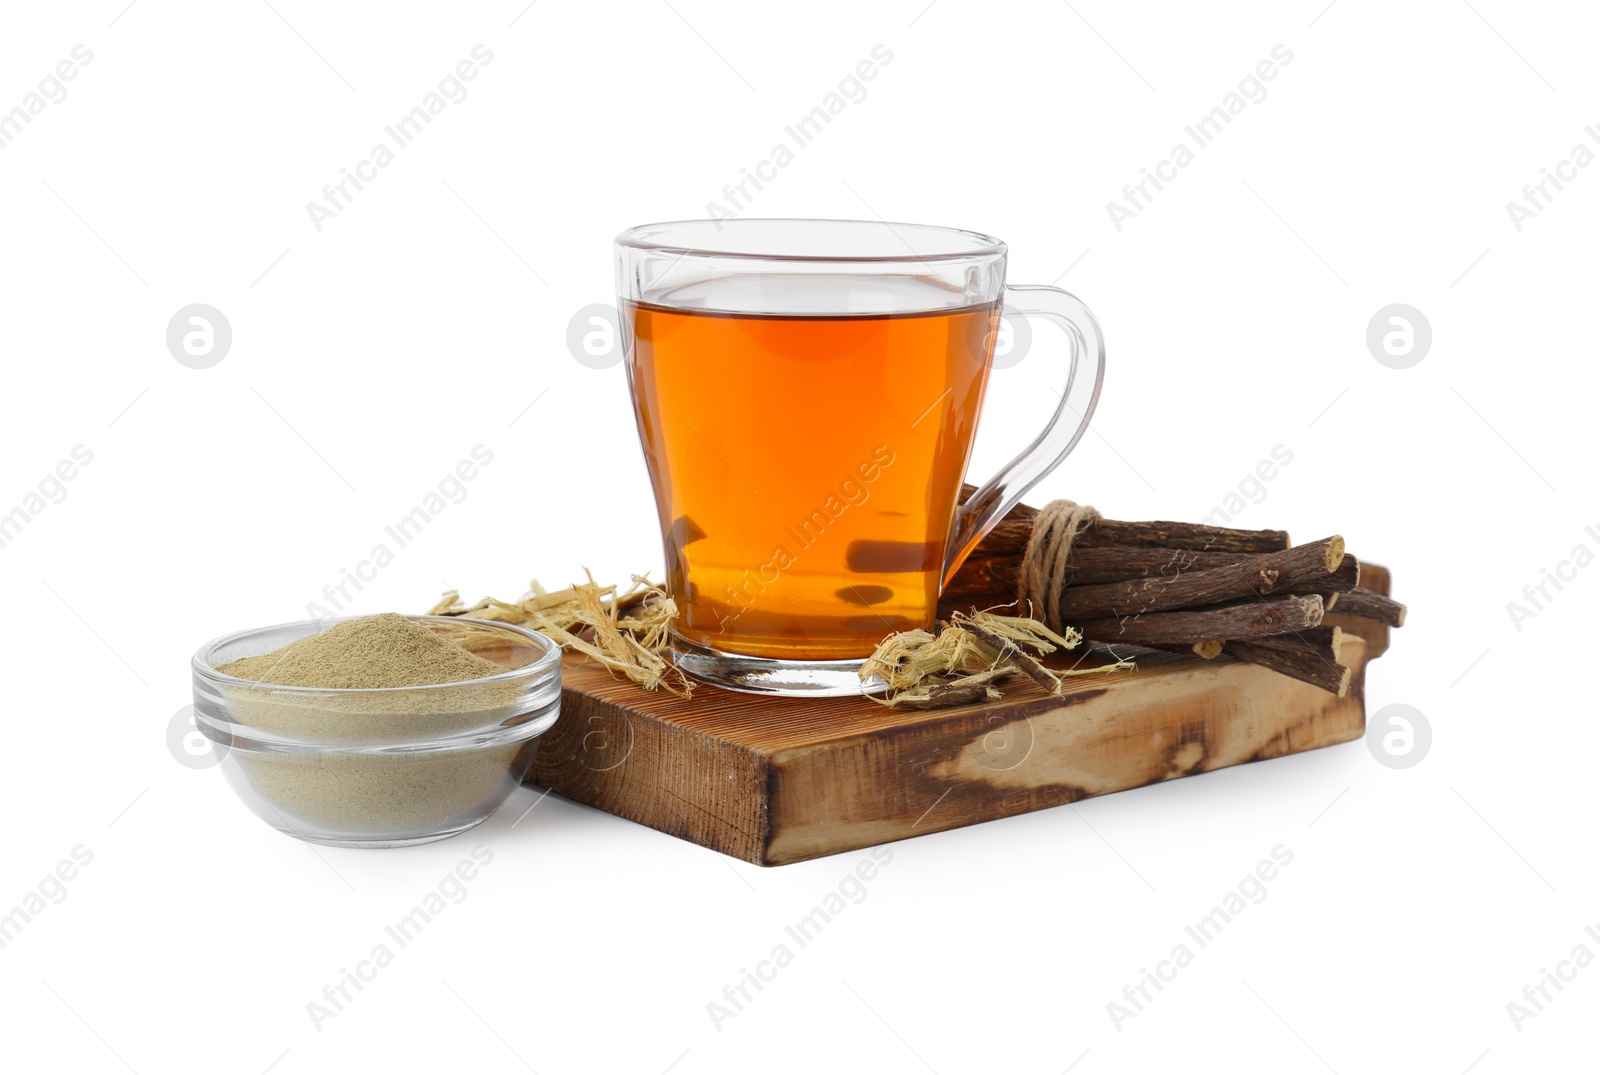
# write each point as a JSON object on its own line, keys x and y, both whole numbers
{"x": 1044, "y": 564}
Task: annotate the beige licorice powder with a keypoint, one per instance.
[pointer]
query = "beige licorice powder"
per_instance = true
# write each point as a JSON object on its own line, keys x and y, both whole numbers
{"x": 386, "y": 650}
{"x": 374, "y": 792}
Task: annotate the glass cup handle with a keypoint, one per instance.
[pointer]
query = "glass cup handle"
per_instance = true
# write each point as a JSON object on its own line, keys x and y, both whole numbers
{"x": 1085, "y": 372}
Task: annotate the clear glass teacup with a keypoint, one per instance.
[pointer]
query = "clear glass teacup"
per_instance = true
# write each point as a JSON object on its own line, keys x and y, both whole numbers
{"x": 807, "y": 393}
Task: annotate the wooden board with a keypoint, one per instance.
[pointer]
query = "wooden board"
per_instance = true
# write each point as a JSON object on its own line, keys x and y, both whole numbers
{"x": 780, "y": 780}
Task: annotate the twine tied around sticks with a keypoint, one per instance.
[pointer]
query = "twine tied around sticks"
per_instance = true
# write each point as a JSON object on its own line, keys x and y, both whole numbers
{"x": 1044, "y": 564}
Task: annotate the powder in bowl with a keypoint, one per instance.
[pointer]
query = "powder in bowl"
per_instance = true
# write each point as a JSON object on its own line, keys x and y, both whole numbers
{"x": 386, "y": 650}
{"x": 379, "y": 731}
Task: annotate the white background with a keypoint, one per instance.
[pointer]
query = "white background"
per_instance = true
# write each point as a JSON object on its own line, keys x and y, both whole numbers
{"x": 428, "y": 316}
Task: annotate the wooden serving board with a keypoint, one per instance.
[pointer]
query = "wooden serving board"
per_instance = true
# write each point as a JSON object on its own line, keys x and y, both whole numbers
{"x": 780, "y": 780}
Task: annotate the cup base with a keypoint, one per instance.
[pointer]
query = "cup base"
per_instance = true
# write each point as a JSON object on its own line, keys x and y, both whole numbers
{"x": 762, "y": 675}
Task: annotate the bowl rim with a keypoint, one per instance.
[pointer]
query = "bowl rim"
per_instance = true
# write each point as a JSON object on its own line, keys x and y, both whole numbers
{"x": 537, "y": 670}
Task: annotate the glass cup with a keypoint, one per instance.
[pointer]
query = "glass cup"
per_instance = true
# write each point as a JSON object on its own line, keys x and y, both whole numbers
{"x": 807, "y": 393}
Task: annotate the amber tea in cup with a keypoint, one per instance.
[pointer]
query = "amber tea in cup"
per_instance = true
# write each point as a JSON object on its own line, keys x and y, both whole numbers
{"x": 807, "y": 395}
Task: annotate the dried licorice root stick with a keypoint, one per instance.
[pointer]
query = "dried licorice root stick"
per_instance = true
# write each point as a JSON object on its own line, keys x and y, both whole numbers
{"x": 942, "y": 692}
{"x": 1373, "y": 606}
{"x": 1246, "y": 620}
{"x": 1109, "y": 550}
{"x": 1302, "y": 569}
{"x": 1309, "y": 656}
{"x": 1009, "y": 650}
{"x": 1092, "y": 566}
{"x": 1324, "y": 640}
{"x": 1210, "y": 648}
{"x": 1341, "y": 580}
{"x": 1014, "y": 530}
{"x": 1010, "y": 537}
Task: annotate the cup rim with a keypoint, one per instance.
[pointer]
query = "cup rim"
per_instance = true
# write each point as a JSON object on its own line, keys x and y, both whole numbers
{"x": 537, "y": 670}
{"x": 963, "y": 244}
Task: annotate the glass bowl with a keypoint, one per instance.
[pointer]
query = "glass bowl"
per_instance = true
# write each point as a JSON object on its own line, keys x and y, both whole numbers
{"x": 382, "y": 766}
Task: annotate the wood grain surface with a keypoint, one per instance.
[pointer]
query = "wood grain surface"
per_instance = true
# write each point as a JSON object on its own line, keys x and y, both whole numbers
{"x": 780, "y": 780}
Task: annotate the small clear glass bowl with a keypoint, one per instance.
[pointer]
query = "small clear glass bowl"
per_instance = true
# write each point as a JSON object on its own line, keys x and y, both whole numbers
{"x": 384, "y": 766}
